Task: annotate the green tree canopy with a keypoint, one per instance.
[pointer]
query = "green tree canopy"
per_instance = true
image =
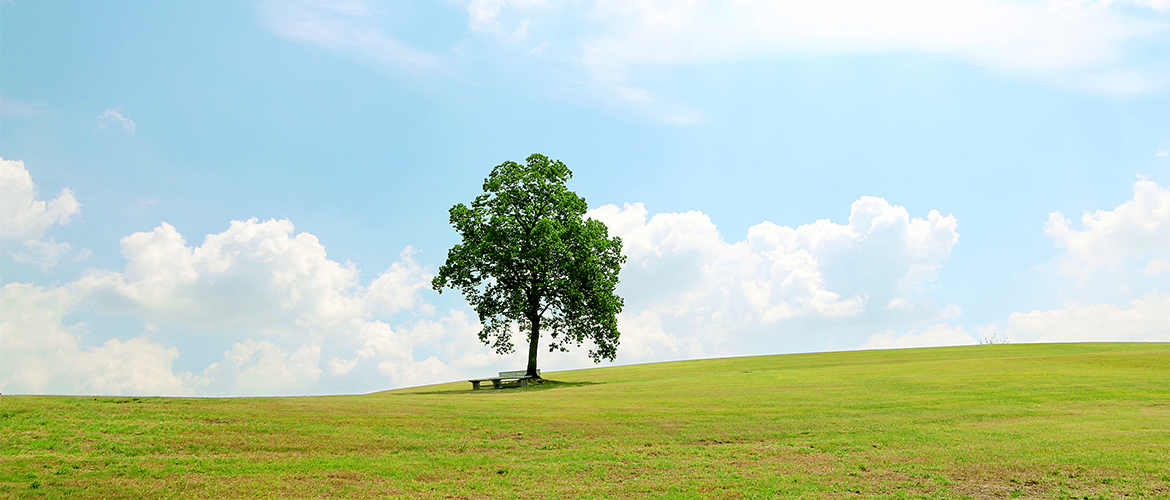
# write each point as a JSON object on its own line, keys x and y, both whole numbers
{"x": 530, "y": 257}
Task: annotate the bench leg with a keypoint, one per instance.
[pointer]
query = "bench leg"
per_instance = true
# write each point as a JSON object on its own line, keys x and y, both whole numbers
{"x": 495, "y": 384}
{"x": 523, "y": 382}
{"x": 474, "y": 385}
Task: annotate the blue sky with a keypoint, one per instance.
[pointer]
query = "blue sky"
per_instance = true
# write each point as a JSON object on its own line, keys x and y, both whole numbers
{"x": 249, "y": 197}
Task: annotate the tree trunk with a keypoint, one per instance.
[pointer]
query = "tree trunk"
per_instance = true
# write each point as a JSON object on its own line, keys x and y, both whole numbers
{"x": 533, "y": 345}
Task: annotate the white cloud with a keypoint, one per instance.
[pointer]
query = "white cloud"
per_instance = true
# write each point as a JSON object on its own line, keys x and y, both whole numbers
{"x": 690, "y": 293}
{"x": 113, "y": 117}
{"x": 10, "y": 108}
{"x": 429, "y": 370}
{"x": 256, "y": 279}
{"x": 348, "y": 26}
{"x": 1127, "y": 249}
{"x": 263, "y": 368}
{"x": 1114, "y": 244}
{"x": 645, "y": 338}
{"x": 484, "y": 16}
{"x": 1157, "y": 266}
{"x": 1047, "y": 38}
{"x": 39, "y": 354}
{"x": 1100, "y": 46}
{"x": 269, "y": 295}
{"x": 24, "y": 219}
{"x": 292, "y": 320}
{"x": 137, "y": 366}
{"x": 43, "y": 254}
{"x": 256, "y": 276}
{"x": 1143, "y": 319}
{"x": 261, "y": 278}
{"x": 378, "y": 340}
{"x": 932, "y": 336}
{"x": 397, "y": 288}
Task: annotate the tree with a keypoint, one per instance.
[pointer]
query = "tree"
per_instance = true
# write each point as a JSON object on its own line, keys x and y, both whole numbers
{"x": 530, "y": 257}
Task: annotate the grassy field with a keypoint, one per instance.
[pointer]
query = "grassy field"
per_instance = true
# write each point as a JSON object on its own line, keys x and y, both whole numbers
{"x": 994, "y": 421}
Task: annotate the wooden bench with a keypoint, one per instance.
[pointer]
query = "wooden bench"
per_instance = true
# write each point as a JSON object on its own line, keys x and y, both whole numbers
{"x": 517, "y": 375}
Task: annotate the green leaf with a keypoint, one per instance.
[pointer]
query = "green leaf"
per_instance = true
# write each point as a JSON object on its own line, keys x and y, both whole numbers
{"x": 529, "y": 259}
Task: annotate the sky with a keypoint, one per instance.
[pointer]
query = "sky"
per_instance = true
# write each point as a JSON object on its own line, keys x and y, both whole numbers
{"x": 250, "y": 198}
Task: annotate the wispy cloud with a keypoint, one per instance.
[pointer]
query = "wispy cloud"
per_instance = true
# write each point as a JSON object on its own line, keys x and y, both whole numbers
{"x": 348, "y": 26}
{"x": 113, "y": 117}
{"x": 10, "y": 108}
{"x": 1094, "y": 39}
{"x": 1112, "y": 47}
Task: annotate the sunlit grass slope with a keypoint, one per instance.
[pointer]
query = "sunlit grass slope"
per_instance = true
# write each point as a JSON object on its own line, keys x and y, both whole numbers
{"x": 1028, "y": 421}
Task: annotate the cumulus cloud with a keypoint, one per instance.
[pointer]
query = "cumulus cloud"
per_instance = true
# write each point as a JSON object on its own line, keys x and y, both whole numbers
{"x": 113, "y": 117}
{"x": 1146, "y": 319}
{"x": 24, "y": 219}
{"x": 352, "y": 27}
{"x": 39, "y": 353}
{"x": 262, "y": 367}
{"x": 1132, "y": 238}
{"x": 1157, "y": 266}
{"x": 137, "y": 366}
{"x": 690, "y": 293}
{"x": 290, "y": 320}
{"x": 256, "y": 276}
{"x": 23, "y": 216}
{"x": 1143, "y": 319}
{"x": 397, "y": 288}
{"x": 937, "y": 335}
{"x": 270, "y": 293}
{"x": 262, "y": 278}
{"x": 1127, "y": 249}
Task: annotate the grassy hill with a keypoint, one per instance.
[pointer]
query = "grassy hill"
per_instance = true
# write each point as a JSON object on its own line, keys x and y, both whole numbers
{"x": 995, "y": 421}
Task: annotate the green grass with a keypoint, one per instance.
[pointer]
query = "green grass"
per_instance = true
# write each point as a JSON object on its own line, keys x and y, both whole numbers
{"x": 996, "y": 421}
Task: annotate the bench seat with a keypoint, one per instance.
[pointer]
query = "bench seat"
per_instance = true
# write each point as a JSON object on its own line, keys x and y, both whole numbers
{"x": 517, "y": 375}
